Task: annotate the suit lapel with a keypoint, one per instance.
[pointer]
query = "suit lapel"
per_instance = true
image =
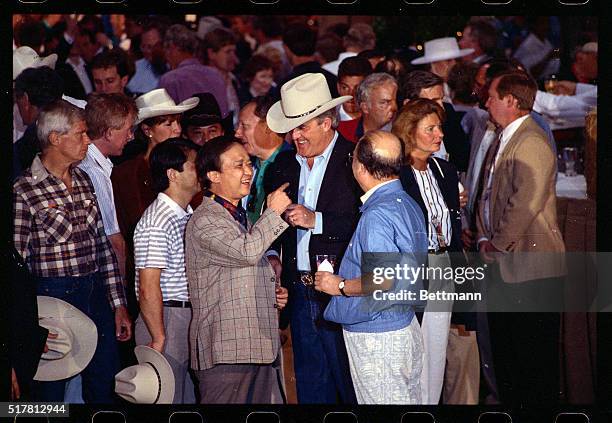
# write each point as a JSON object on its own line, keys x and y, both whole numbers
{"x": 333, "y": 172}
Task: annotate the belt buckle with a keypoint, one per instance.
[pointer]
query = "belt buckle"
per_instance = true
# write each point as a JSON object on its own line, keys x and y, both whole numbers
{"x": 307, "y": 279}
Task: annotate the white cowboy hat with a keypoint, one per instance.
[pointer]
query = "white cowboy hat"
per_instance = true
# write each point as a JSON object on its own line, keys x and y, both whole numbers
{"x": 25, "y": 57}
{"x": 442, "y": 49}
{"x": 151, "y": 381}
{"x": 75, "y": 344}
{"x": 590, "y": 47}
{"x": 158, "y": 103}
{"x": 302, "y": 99}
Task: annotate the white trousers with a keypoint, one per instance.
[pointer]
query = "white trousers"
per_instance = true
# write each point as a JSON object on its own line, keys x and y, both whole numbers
{"x": 435, "y": 328}
{"x": 386, "y": 366}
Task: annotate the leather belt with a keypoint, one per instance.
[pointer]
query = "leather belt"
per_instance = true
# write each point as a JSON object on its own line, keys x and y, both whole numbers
{"x": 176, "y": 303}
{"x": 438, "y": 251}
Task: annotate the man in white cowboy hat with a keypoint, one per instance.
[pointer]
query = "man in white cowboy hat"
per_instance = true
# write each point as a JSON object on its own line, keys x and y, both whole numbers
{"x": 34, "y": 88}
{"x": 323, "y": 217}
{"x": 441, "y": 55}
{"x": 159, "y": 256}
{"x": 59, "y": 233}
{"x": 23, "y": 58}
{"x": 151, "y": 381}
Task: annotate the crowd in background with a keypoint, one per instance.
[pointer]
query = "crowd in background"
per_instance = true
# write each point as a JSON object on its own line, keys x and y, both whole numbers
{"x": 159, "y": 102}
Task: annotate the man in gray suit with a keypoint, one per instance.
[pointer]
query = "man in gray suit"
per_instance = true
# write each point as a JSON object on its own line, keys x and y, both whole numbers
{"x": 234, "y": 292}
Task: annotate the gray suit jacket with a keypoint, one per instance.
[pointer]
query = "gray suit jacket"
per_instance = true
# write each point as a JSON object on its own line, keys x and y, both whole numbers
{"x": 232, "y": 288}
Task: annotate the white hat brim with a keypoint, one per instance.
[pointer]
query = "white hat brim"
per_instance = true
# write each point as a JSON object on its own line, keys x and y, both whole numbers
{"x": 145, "y": 354}
{"x": 281, "y": 124}
{"x": 444, "y": 56}
{"x": 49, "y": 60}
{"x": 149, "y": 112}
{"x": 85, "y": 337}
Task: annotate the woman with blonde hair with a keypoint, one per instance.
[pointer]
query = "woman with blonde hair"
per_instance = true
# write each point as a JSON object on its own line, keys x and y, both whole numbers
{"x": 433, "y": 184}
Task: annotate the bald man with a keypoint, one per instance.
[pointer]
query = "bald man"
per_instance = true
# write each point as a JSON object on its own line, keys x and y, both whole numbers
{"x": 374, "y": 325}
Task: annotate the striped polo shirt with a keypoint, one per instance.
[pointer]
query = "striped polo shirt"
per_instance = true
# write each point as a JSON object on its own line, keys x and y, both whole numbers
{"x": 159, "y": 243}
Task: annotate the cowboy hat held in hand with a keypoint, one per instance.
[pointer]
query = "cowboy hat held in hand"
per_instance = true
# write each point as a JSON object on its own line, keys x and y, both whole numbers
{"x": 302, "y": 99}
{"x": 76, "y": 341}
{"x": 441, "y": 49}
{"x": 151, "y": 381}
{"x": 158, "y": 103}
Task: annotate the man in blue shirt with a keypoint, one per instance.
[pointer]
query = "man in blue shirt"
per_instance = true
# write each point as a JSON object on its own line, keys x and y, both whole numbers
{"x": 375, "y": 325}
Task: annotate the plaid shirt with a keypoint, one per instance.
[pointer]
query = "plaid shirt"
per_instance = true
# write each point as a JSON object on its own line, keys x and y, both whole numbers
{"x": 61, "y": 234}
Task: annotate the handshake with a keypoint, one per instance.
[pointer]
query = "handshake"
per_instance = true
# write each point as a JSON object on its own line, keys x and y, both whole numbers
{"x": 294, "y": 214}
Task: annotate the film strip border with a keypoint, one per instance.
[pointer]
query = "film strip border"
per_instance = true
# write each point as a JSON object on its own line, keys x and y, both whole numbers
{"x": 318, "y": 414}
{"x": 548, "y": 7}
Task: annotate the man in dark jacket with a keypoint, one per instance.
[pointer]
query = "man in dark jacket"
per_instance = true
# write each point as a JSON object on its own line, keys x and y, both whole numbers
{"x": 323, "y": 217}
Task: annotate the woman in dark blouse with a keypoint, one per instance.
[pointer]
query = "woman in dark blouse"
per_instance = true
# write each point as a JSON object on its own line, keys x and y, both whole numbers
{"x": 433, "y": 184}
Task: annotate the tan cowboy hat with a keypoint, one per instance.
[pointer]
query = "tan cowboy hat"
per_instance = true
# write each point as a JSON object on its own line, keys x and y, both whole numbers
{"x": 442, "y": 49}
{"x": 302, "y": 98}
{"x": 151, "y": 381}
{"x": 158, "y": 103}
{"x": 75, "y": 344}
{"x": 25, "y": 57}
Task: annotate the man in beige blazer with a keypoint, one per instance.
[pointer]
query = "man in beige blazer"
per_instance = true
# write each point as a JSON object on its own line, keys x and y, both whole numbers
{"x": 234, "y": 293}
{"x": 519, "y": 239}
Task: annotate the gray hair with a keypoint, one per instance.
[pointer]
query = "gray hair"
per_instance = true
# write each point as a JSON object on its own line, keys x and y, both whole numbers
{"x": 332, "y": 114}
{"x": 182, "y": 37}
{"x": 370, "y": 82}
{"x": 361, "y": 36}
{"x": 57, "y": 117}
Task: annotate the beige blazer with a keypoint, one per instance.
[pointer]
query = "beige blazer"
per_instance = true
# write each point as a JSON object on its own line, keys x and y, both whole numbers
{"x": 232, "y": 288}
{"x": 523, "y": 207}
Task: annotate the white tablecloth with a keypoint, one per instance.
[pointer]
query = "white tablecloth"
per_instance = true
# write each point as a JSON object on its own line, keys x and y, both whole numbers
{"x": 571, "y": 186}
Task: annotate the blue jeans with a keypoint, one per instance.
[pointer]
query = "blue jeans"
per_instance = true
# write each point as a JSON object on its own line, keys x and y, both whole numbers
{"x": 320, "y": 360}
{"x": 88, "y": 294}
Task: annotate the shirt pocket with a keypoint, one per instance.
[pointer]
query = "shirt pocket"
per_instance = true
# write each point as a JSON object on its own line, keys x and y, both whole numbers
{"x": 56, "y": 223}
{"x": 86, "y": 213}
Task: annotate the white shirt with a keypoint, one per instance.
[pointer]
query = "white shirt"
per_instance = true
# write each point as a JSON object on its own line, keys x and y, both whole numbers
{"x": 308, "y": 195}
{"x": 342, "y": 115}
{"x": 99, "y": 168}
{"x": 438, "y": 216}
{"x": 372, "y": 190}
{"x": 79, "y": 69}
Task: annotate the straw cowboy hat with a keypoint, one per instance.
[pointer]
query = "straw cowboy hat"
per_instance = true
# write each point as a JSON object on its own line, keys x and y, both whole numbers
{"x": 442, "y": 49}
{"x": 151, "y": 381}
{"x": 25, "y": 57}
{"x": 158, "y": 103}
{"x": 75, "y": 344}
{"x": 302, "y": 98}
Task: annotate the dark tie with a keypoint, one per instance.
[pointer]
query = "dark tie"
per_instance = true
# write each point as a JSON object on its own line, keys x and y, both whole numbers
{"x": 241, "y": 216}
{"x": 486, "y": 169}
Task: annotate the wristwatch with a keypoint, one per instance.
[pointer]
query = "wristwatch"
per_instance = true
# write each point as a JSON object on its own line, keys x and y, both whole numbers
{"x": 341, "y": 287}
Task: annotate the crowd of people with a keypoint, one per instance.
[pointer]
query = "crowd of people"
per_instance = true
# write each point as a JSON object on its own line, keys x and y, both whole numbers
{"x": 185, "y": 189}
